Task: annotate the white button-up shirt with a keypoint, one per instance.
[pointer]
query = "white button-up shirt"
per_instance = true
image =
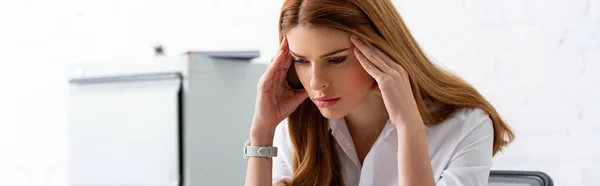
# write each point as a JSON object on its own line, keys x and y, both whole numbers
{"x": 460, "y": 149}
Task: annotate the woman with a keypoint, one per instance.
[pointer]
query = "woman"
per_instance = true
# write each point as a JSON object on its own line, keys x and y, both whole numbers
{"x": 378, "y": 112}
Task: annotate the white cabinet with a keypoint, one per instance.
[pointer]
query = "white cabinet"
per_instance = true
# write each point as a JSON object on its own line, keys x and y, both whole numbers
{"x": 163, "y": 122}
{"x": 125, "y": 133}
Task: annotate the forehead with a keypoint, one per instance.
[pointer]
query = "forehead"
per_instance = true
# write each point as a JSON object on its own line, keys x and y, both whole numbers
{"x": 312, "y": 42}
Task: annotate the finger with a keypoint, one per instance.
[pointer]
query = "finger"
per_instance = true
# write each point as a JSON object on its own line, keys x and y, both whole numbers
{"x": 368, "y": 66}
{"x": 370, "y": 53}
{"x": 376, "y": 89}
{"x": 285, "y": 64}
{"x": 273, "y": 66}
{"x": 284, "y": 71}
{"x": 281, "y": 47}
{"x": 283, "y": 43}
{"x": 391, "y": 63}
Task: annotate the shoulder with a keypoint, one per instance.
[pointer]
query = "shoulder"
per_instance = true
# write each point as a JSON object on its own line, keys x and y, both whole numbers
{"x": 460, "y": 148}
{"x": 463, "y": 123}
{"x": 474, "y": 119}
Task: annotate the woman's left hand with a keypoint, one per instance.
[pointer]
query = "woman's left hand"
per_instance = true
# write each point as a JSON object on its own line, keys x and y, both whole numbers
{"x": 392, "y": 83}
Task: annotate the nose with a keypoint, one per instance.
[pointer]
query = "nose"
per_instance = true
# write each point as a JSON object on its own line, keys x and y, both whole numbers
{"x": 318, "y": 79}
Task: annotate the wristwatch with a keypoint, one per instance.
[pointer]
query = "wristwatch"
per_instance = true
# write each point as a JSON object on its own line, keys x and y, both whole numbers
{"x": 256, "y": 151}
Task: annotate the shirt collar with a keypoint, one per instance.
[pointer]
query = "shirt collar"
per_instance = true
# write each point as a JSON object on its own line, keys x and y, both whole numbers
{"x": 340, "y": 132}
{"x": 335, "y": 124}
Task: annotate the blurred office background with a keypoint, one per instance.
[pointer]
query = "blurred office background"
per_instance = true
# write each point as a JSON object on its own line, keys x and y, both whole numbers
{"x": 537, "y": 61}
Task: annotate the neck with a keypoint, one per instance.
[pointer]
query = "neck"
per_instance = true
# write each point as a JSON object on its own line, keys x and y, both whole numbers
{"x": 367, "y": 119}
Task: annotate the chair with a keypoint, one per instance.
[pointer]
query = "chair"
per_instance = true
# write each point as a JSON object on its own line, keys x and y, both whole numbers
{"x": 519, "y": 178}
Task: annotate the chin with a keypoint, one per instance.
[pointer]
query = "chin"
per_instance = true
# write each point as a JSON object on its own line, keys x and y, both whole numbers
{"x": 331, "y": 114}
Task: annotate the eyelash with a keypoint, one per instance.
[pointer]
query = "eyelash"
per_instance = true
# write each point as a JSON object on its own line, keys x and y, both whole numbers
{"x": 337, "y": 60}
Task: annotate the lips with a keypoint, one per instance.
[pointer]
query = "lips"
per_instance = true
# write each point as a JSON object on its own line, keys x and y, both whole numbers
{"x": 326, "y": 101}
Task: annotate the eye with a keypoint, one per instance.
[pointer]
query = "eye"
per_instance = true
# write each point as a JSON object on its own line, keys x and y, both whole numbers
{"x": 299, "y": 61}
{"x": 337, "y": 60}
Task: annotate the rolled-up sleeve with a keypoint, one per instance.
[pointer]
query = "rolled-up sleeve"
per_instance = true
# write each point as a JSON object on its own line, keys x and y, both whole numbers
{"x": 281, "y": 166}
{"x": 472, "y": 160}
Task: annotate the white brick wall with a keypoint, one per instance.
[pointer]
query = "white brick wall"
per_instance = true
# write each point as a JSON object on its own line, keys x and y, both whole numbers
{"x": 537, "y": 61}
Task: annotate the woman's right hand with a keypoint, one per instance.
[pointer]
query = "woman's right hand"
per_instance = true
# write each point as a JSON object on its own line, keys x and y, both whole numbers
{"x": 275, "y": 99}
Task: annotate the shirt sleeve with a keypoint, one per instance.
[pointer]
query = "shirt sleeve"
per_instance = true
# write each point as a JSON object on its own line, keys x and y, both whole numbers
{"x": 281, "y": 164}
{"x": 471, "y": 162}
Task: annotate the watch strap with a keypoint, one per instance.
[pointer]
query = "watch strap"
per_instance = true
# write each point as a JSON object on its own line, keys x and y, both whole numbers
{"x": 258, "y": 151}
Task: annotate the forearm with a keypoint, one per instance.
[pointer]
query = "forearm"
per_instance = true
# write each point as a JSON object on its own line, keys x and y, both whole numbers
{"x": 414, "y": 166}
{"x": 259, "y": 171}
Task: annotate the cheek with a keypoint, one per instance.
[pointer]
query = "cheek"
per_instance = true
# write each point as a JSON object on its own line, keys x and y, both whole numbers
{"x": 357, "y": 80}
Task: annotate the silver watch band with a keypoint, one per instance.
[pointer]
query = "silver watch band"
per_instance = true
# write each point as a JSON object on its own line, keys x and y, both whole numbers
{"x": 256, "y": 151}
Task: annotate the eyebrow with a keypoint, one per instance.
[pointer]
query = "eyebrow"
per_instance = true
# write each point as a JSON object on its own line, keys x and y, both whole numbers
{"x": 324, "y": 55}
